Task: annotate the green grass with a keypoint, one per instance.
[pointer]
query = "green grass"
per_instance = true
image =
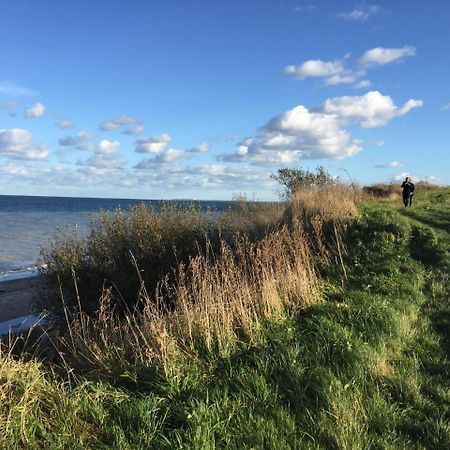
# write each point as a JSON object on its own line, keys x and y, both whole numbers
{"x": 366, "y": 368}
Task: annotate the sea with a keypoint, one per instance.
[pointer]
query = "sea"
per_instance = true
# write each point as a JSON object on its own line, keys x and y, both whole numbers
{"x": 27, "y": 224}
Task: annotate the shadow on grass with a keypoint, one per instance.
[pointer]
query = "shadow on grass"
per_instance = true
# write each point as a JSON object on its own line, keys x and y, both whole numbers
{"x": 440, "y": 219}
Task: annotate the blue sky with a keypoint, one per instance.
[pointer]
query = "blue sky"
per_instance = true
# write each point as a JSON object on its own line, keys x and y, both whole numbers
{"x": 205, "y": 99}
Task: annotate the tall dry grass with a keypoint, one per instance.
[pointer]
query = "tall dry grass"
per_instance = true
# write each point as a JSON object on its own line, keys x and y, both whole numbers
{"x": 325, "y": 212}
{"x": 258, "y": 267}
{"x": 218, "y": 298}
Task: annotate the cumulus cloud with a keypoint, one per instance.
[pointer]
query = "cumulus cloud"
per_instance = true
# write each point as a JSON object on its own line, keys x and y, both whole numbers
{"x": 106, "y": 156}
{"x": 337, "y": 71}
{"x": 153, "y": 144}
{"x": 380, "y": 56}
{"x": 200, "y": 148}
{"x": 389, "y": 165}
{"x": 131, "y": 125}
{"x": 18, "y": 143}
{"x": 360, "y": 13}
{"x": 15, "y": 90}
{"x": 301, "y": 133}
{"x": 332, "y": 72}
{"x": 295, "y": 135}
{"x": 315, "y": 68}
{"x": 36, "y": 111}
{"x": 371, "y": 109}
{"x": 169, "y": 156}
{"x": 64, "y": 124}
{"x": 106, "y": 147}
{"x": 80, "y": 141}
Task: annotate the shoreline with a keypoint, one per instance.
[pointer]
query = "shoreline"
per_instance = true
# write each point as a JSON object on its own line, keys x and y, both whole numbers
{"x": 16, "y": 297}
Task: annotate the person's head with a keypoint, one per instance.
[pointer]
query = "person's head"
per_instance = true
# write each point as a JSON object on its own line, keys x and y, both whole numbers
{"x": 407, "y": 179}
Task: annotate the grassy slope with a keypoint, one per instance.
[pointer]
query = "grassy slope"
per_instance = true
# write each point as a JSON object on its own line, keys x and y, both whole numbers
{"x": 369, "y": 367}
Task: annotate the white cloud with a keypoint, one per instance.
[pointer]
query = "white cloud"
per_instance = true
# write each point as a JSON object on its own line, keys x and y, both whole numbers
{"x": 106, "y": 147}
{"x": 336, "y": 72}
{"x": 301, "y": 133}
{"x": 80, "y": 141}
{"x": 64, "y": 124}
{"x": 36, "y": 111}
{"x": 389, "y": 165}
{"x": 315, "y": 68}
{"x": 18, "y": 143}
{"x": 13, "y": 89}
{"x": 296, "y": 135}
{"x": 362, "y": 84}
{"x": 360, "y": 13}
{"x": 333, "y": 72}
{"x": 169, "y": 156}
{"x": 380, "y": 56}
{"x": 371, "y": 109}
{"x": 200, "y": 148}
{"x": 446, "y": 107}
{"x": 134, "y": 126}
{"x": 106, "y": 156}
{"x": 153, "y": 144}
{"x": 136, "y": 129}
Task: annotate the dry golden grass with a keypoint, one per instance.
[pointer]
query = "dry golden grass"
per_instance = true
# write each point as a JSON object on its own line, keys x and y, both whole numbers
{"x": 221, "y": 294}
{"x": 330, "y": 203}
{"x": 216, "y": 300}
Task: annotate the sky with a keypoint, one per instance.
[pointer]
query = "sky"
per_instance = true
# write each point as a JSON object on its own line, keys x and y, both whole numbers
{"x": 170, "y": 99}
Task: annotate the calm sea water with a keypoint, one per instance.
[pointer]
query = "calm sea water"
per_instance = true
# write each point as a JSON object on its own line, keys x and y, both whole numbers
{"x": 27, "y": 224}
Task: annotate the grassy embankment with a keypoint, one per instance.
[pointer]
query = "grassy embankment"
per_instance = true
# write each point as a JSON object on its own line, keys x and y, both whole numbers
{"x": 360, "y": 360}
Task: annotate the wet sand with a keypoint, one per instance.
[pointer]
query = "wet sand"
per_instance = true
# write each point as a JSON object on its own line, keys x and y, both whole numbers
{"x": 16, "y": 297}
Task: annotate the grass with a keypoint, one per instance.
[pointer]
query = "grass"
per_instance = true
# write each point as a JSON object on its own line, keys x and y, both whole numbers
{"x": 364, "y": 365}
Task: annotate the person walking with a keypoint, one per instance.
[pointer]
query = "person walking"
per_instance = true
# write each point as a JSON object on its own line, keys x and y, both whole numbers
{"x": 408, "y": 191}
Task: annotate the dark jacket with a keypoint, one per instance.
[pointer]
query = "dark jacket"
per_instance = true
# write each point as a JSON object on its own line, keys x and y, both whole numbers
{"x": 408, "y": 188}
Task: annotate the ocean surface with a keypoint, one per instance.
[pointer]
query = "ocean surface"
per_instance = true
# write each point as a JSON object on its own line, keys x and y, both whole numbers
{"x": 27, "y": 224}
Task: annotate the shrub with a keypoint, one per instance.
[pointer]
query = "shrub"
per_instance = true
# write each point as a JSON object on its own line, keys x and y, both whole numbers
{"x": 156, "y": 241}
{"x": 297, "y": 179}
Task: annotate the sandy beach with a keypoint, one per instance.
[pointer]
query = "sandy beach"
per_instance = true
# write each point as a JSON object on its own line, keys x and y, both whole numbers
{"x": 16, "y": 297}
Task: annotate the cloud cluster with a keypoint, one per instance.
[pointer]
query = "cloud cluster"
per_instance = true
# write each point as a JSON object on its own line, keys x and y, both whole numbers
{"x": 17, "y": 143}
{"x": 200, "y": 148}
{"x": 380, "y": 56}
{"x": 360, "y": 13}
{"x": 153, "y": 144}
{"x": 301, "y": 133}
{"x": 372, "y": 109}
{"x": 129, "y": 125}
{"x": 106, "y": 156}
{"x": 36, "y": 111}
{"x": 161, "y": 160}
{"x": 79, "y": 142}
{"x": 336, "y": 72}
